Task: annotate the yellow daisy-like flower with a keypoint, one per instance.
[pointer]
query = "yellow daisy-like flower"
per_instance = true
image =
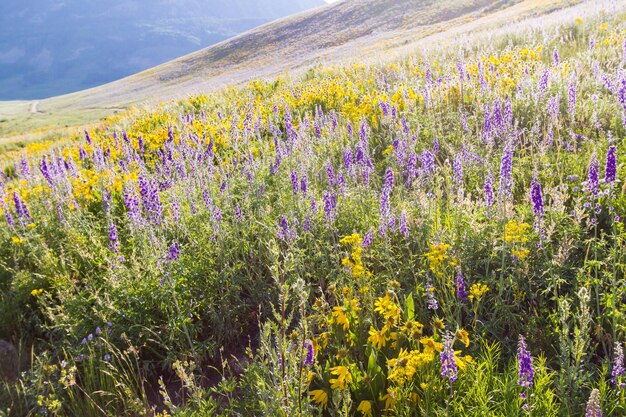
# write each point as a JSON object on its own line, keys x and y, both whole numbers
{"x": 378, "y": 338}
{"x": 343, "y": 377}
{"x": 365, "y": 407}
{"x": 339, "y": 317}
{"x": 430, "y": 345}
{"x": 387, "y": 308}
{"x": 320, "y": 397}
{"x": 389, "y": 398}
{"x": 464, "y": 336}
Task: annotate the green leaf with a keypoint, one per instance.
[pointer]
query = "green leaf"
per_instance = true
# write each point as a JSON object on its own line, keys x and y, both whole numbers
{"x": 371, "y": 363}
{"x": 410, "y": 307}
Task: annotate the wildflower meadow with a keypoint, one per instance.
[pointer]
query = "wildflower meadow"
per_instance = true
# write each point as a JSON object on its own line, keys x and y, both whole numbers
{"x": 441, "y": 234}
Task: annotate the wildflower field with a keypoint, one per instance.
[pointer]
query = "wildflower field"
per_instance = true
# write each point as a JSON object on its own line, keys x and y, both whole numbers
{"x": 438, "y": 235}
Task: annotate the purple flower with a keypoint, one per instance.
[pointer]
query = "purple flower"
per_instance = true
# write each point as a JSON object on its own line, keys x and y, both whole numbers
{"x": 448, "y": 362}
{"x": 555, "y": 56}
{"x": 457, "y": 168}
{"x": 411, "y": 168}
{"x": 348, "y": 159}
{"x": 431, "y": 301}
{"x": 385, "y": 206}
{"x": 388, "y": 184}
{"x": 506, "y": 168}
{"x": 47, "y": 170}
{"x": 464, "y": 123}
{"x": 150, "y": 200}
{"x": 24, "y": 168}
{"x": 537, "y": 198}
{"x": 114, "y": 243}
{"x": 403, "y": 226}
{"x": 488, "y": 190}
{"x": 9, "y": 218}
{"x": 173, "y": 252}
{"x": 593, "y": 405}
{"x": 611, "y": 165}
{"x": 310, "y": 353}
{"x": 543, "y": 81}
{"x": 427, "y": 159}
{"x": 618, "y": 364}
{"x": 459, "y": 285}
{"x": 285, "y": 232}
{"x": 20, "y": 207}
{"x": 330, "y": 204}
{"x": 238, "y": 214}
{"x": 330, "y": 174}
{"x": 593, "y": 181}
{"x": 303, "y": 184}
{"x": 294, "y": 182}
{"x": 367, "y": 240}
{"x": 525, "y": 361}
{"x": 553, "y": 106}
{"x": 571, "y": 98}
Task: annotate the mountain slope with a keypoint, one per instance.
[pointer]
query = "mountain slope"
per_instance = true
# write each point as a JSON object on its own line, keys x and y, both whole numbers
{"x": 49, "y": 48}
{"x": 342, "y": 32}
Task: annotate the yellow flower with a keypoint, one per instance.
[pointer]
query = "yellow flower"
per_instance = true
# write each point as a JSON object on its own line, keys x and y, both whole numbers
{"x": 36, "y": 292}
{"x": 578, "y": 21}
{"x": 387, "y": 308}
{"x": 343, "y": 377}
{"x": 516, "y": 232}
{"x": 464, "y": 336}
{"x": 437, "y": 255}
{"x": 320, "y": 397}
{"x": 462, "y": 362}
{"x": 365, "y": 407}
{"x": 389, "y": 398}
{"x": 439, "y": 324}
{"x": 377, "y": 338}
{"x": 339, "y": 317}
{"x": 430, "y": 345}
{"x": 520, "y": 254}
{"x": 477, "y": 291}
{"x": 17, "y": 240}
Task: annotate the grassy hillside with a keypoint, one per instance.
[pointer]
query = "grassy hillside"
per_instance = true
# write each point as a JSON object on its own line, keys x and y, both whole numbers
{"x": 439, "y": 234}
{"x": 337, "y": 33}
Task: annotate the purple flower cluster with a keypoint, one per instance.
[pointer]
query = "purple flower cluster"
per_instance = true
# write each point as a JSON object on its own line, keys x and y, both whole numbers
{"x": 448, "y": 362}
{"x": 459, "y": 286}
{"x": 525, "y": 362}
{"x": 310, "y": 353}
{"x": 594, "y": 408}
{"x": 506, "y": 169}
{"x": 114, "y": 243}
{"x": 593, "y": 176}
{"x": 536, "y": 198}
{"x": 618, "y": 365}
{"x": 611, "y": 165}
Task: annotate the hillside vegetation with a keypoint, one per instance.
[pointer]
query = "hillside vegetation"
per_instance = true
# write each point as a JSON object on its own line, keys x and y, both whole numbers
{"x": 438, "y": 235}
{"x": 344, "y": 32}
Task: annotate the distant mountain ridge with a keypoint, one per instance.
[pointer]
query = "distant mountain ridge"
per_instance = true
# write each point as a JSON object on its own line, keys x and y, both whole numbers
{"x": 52, "y": 47}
